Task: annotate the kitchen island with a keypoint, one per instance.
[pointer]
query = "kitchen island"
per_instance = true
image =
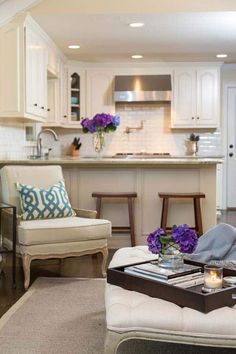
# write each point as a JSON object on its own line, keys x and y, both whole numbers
{"x": 146, "y": 177}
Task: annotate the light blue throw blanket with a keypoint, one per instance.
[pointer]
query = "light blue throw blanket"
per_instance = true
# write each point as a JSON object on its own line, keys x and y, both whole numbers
{"x": 219, "y": 243}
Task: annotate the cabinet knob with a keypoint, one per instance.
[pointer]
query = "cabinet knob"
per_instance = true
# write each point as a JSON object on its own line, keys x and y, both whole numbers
{"x": 197, "y": 117}
{"x": 231, "y": 154}
{"x": 35, "y": 104}
{"x": 42, "y": 107}
{"x": 65, "y": 116}
{"x": 48, "y": 109}
{"x": 192, "y": 117}
{"x": 231, "y": 146}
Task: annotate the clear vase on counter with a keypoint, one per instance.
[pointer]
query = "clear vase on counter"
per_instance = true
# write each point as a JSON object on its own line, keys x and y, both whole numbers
{"x": 98, "y": 142}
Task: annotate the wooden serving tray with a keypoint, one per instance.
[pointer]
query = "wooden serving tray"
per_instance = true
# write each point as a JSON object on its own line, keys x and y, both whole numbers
{"x": 191, "y": 297}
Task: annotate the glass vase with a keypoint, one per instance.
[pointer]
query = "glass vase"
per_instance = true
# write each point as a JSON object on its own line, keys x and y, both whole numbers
{"x": 170, "y": 257}
{"x": 98, "y": 142}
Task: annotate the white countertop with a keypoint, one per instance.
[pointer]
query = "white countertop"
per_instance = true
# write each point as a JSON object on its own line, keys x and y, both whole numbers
{"x": 128, "y": 161}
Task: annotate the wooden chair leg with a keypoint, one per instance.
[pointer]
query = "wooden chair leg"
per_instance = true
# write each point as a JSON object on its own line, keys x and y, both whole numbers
{"x": 98, "y": 207}
{"x": 26, "y": 260}
{"x": 164, "y": 213}
{"x": 198, "y": 216}
{"x": 104, "y": 252}
{"x": 131, "y": 221}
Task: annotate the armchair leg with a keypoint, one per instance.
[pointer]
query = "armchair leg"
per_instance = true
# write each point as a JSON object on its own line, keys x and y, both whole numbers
{"x": 104, "y": 252}
{"x": 26, "y": 260}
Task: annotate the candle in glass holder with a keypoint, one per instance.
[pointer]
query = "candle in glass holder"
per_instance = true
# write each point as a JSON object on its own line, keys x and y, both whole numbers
{"x": 213, "y": 277}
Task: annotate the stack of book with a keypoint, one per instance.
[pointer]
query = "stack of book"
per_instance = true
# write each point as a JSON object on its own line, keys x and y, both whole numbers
{"x": 184, "y": 277}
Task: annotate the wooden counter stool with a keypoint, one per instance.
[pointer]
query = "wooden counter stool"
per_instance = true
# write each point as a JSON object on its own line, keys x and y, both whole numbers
{"x": 119, "y": 229}
{"x": 196, "y": 204}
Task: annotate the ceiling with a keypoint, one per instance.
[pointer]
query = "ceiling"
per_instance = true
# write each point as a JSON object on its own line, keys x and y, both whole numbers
{"x": 171, "y": 32}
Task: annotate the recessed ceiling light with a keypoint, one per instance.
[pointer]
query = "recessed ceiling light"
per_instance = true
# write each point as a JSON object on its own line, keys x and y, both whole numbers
{"x": 137, "y": 56}
{"x": 136, "y": 24}
{"x": 221, "y": 55}
{"x": 74, "y": 46}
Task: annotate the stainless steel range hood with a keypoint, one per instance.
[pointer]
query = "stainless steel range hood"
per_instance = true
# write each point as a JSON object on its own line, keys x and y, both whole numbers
{"x": 142, "y": 88}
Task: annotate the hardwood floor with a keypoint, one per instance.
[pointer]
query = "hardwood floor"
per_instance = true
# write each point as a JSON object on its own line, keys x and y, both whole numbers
{"x": 86, "y": 266}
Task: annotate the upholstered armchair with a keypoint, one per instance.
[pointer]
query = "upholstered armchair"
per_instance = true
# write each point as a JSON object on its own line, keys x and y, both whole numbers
{"x": 73, "y": 236}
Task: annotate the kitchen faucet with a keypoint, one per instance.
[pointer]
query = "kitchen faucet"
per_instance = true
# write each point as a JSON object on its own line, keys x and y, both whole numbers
{"x": 39, "y": 139}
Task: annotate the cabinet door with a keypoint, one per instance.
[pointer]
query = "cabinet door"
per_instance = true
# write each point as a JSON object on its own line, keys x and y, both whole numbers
{"x": 64, "y": 93}
{"x": 11, "y": 71}
{"x": 53, "y": 101}
{"x": 76, "y": 95}
{"x": 207, "y": 98}
{"x": 100, "y": 92}
{"x": 184, "y": 99}
{"x": 36, "y": 74}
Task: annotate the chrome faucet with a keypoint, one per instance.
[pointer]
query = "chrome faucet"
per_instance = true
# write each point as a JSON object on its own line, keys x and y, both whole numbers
{"x": 39, "y": 139}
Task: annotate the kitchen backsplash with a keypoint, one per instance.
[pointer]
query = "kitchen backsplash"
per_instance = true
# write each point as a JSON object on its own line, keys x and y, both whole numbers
{"x": 156, "y": 136}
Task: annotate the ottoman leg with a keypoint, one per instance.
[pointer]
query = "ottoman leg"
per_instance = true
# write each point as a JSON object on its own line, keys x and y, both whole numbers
{"x": 112, "y": 342}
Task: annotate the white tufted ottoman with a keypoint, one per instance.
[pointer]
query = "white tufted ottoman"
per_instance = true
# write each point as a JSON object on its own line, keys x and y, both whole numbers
{"x": 134, "y": 315}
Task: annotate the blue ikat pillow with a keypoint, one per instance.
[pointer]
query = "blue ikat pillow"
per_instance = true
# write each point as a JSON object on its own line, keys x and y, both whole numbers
{"x": 41, "y": 203}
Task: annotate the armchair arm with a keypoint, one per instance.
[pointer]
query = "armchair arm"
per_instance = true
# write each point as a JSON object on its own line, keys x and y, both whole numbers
{"x": 84, "y": 213}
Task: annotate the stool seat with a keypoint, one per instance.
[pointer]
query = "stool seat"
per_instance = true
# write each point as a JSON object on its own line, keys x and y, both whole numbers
{"x": 181, "y": 195}
{"x": 129, "y": 196}
{"x": 114, "y": 195}
{"x": 196, "y": 204}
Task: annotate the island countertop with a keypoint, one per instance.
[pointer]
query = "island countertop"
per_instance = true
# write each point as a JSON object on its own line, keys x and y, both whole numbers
{"x": 119, "y": 162}
{"x": 145, "y": 176}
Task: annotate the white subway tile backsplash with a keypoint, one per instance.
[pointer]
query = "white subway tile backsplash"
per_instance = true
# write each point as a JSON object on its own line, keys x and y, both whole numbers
{"x": 156, "y": 136}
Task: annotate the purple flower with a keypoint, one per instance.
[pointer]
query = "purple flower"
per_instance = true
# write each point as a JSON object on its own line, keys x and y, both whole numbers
{"x": 153, "y": 240}
{"x": 100, "y": 122}
{"x": 185, "y": 237}
{"x": 116, "y": 121}
{"x": 88, "y": 126}
{"x": 182, "y": 235}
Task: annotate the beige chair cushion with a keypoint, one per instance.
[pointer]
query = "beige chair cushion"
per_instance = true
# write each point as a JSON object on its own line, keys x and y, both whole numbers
{"x": 72, "y": 229}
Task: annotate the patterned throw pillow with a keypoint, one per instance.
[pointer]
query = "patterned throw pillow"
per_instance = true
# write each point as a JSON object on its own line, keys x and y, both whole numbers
{"x": 41, "y": 203}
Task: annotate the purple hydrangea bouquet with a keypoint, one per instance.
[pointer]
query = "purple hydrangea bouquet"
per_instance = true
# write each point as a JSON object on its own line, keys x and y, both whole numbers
{"x": 171, "y": 247}
{"x": 104, "y": 122}
{"x": 101, "y": 123}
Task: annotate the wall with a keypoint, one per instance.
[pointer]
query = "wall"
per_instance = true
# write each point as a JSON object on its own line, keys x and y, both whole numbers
{"x": 12, "y": 141}
{"x": 156, "y": 136}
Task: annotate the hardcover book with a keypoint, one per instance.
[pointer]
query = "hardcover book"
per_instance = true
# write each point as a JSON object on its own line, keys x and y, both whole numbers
{"x": 163, "y": 273}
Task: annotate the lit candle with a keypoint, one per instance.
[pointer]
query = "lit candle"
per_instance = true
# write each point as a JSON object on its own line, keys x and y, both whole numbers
{"x": 213, "y": 277}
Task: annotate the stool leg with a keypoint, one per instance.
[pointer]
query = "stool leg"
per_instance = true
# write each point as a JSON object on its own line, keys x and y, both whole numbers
{"x": 164, "y": 213}
{"x": 98, "y": 207}
{"x": 131, "y": 221}
{"x": 198, "y": 216}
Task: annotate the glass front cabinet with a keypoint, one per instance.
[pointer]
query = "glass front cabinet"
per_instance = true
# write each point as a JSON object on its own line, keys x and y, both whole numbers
{"x": 76, "y": 97}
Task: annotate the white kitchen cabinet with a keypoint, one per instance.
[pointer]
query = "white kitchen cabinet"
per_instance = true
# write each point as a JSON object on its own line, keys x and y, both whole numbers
{"x": 100, "y": 91}
{"x": 23, "y": 71}
{"x": 196, "y": 98}
{"x": 36, "y": 73}
{"x": 76, "y": 95}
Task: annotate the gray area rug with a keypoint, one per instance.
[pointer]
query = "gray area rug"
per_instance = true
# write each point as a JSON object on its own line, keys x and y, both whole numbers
{"x": 56, "y": 315}
{"x": 67, "y": 316}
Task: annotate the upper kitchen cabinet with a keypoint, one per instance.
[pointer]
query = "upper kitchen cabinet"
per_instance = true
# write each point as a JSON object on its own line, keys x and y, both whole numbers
{"x": 196, "y": 98}
{"x": 23, "y": 71}
{"x": 76, "y": 95}
{"x": 100, "y": 91}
